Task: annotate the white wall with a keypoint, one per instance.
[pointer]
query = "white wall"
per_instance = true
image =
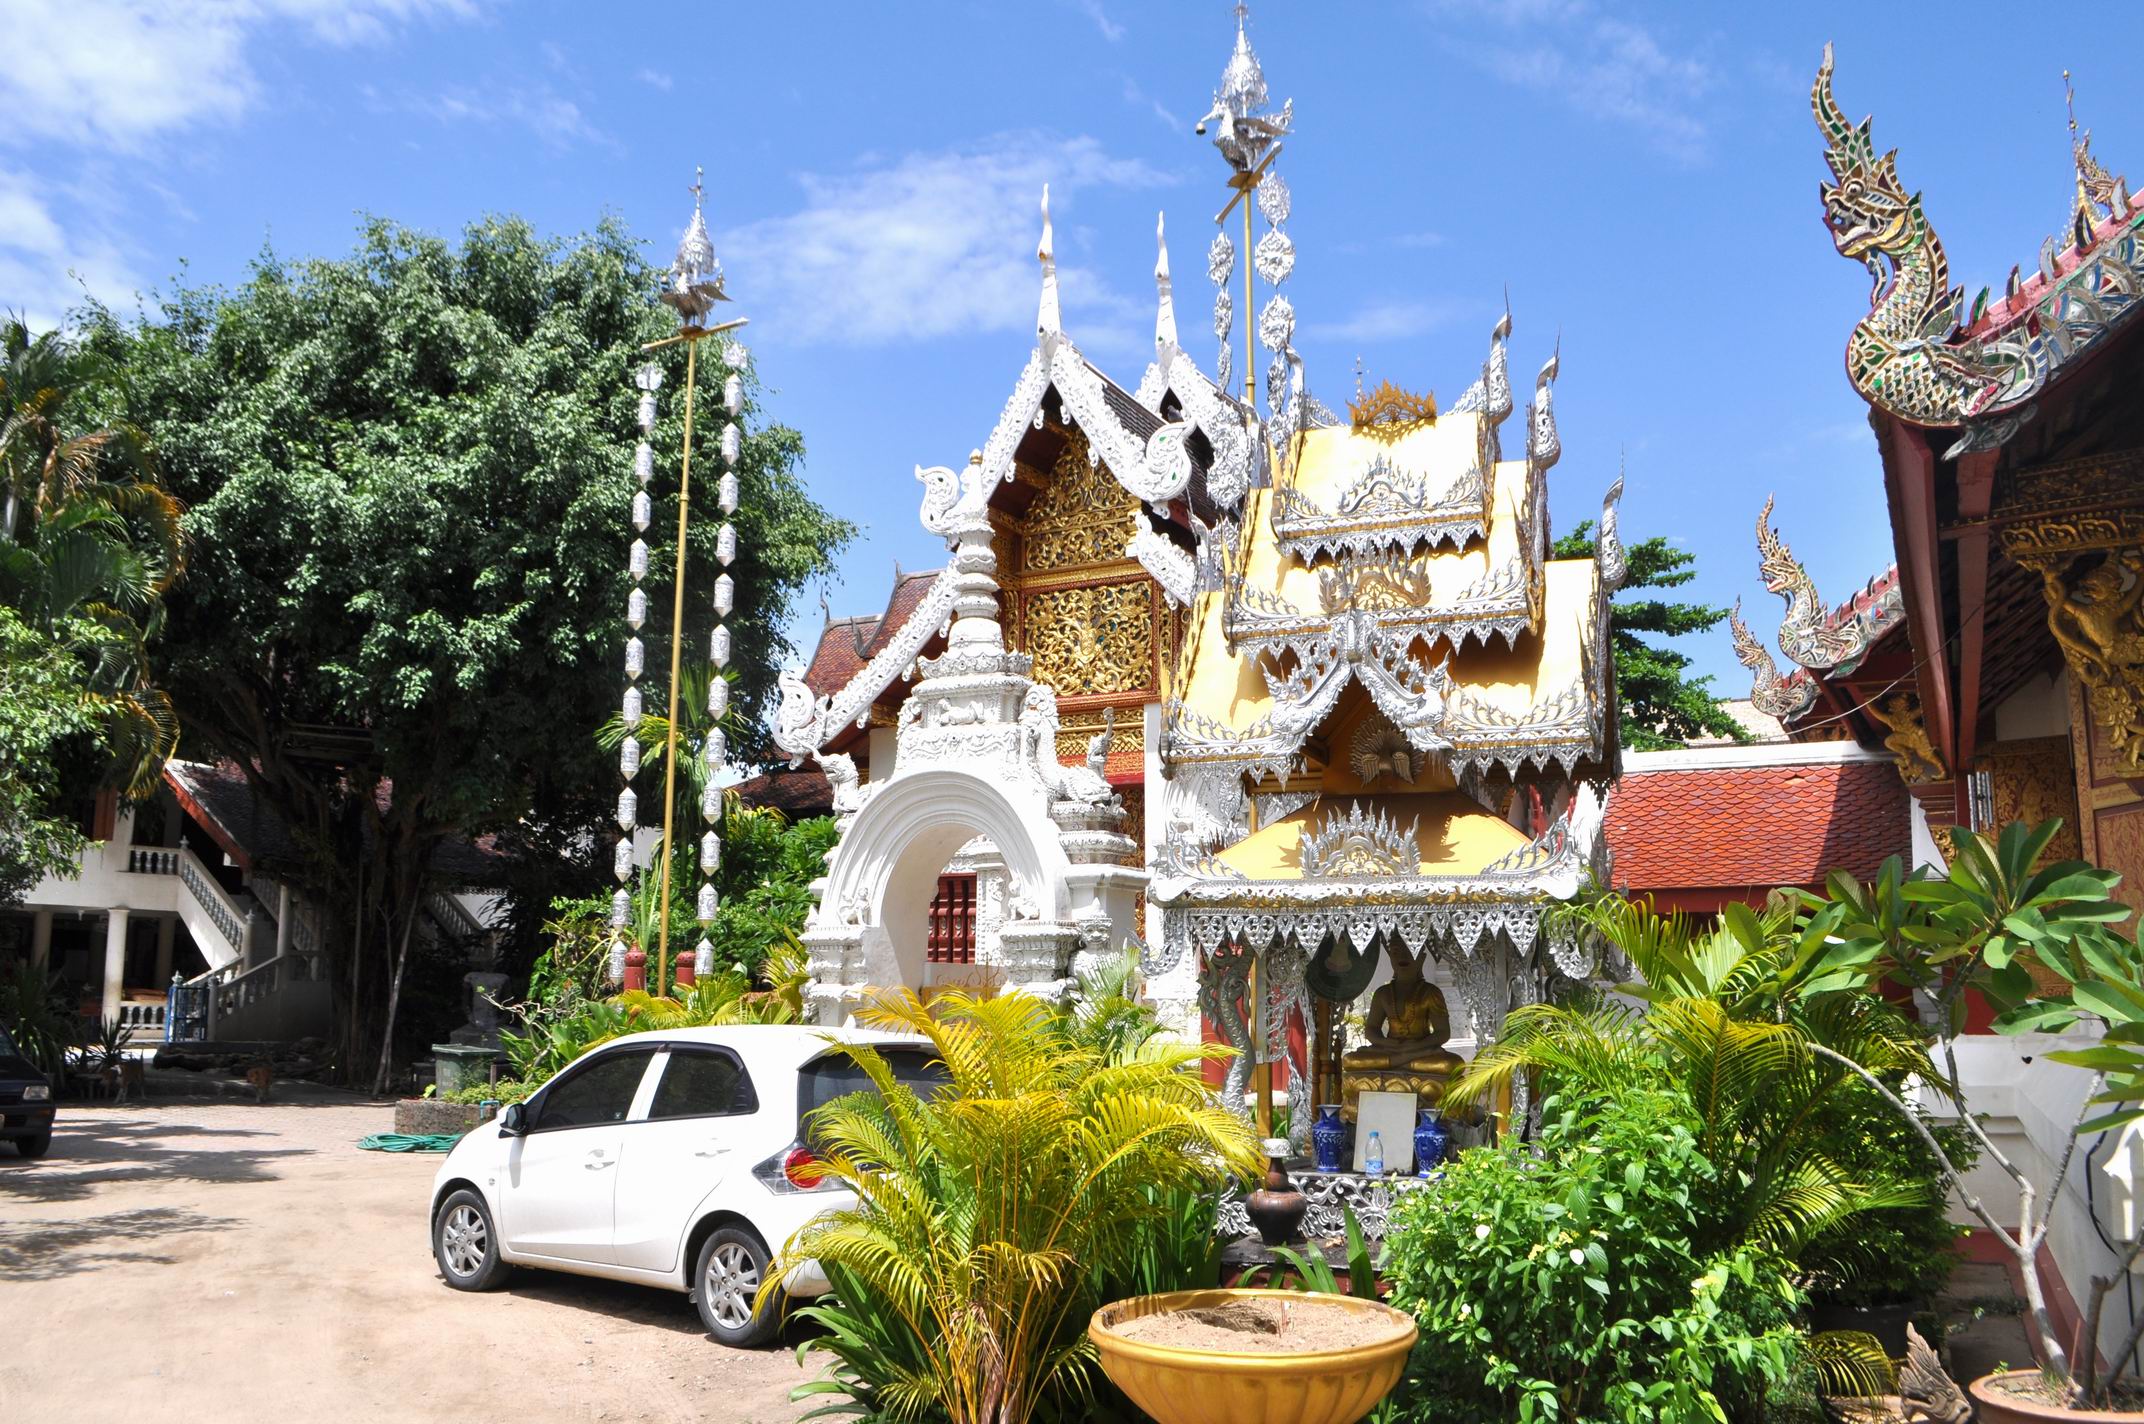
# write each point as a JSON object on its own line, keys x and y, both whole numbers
{"x": 2028, "y": 1103}
{"x": 2041, "y": 708}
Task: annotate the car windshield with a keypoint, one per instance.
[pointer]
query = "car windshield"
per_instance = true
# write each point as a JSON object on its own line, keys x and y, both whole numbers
{"x": 836, "y": 1075}
{"x": 7, "y": 1045}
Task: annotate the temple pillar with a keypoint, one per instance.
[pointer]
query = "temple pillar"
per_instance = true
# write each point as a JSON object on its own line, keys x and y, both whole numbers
{"x": 115, "y": 962}
{"x": 282, "y": 918}
{"x": 40, "y": 940}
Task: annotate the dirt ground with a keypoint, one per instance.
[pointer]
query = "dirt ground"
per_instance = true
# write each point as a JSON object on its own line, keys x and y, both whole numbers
{"x": 231, "y": 1261}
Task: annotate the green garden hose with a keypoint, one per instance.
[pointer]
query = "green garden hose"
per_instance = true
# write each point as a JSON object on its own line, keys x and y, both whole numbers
{"x": 403, "y": 1142}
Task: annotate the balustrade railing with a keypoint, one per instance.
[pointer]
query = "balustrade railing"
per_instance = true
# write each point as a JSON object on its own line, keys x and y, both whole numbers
{"x": 213, "y": 902}
{"x": 152, "y": 860}
{"x": 452, "y": 917}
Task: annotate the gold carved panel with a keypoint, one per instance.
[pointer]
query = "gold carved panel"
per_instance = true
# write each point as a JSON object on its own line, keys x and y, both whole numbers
{"x": 2031, "y": 780}
{"x": 2080, "y": 527}
{"x": 1076, "y": 731}
{"x": 1081, "y": 516}
{"x": 1093, "y": 638}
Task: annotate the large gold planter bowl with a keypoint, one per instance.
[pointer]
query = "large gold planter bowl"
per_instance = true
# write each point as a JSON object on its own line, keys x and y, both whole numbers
{"x": 1185, "y": 1386}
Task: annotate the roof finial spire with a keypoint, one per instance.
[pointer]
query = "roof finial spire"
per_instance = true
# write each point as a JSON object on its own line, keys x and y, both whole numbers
{"x": 1164, "y": 289}
{"x": 695, "y": 283}
{"x": 1048, "y": 321}
{"x": 2096, "y": 188}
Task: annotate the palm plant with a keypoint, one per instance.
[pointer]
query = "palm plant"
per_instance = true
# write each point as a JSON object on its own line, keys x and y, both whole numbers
{"x": 89, "y": 541}
{"x": 985, "y": 1211}
{"x": 1723, "y": 1022}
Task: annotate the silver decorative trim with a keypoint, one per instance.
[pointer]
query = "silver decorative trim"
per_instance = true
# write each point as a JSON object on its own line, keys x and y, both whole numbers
{"x": 1356, "y": 844}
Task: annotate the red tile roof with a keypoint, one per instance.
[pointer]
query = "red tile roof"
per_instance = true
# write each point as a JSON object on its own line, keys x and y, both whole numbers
{"x": 1755, "y": 826}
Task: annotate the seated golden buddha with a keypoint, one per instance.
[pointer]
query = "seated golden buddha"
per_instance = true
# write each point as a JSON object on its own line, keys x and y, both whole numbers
{"x": 1407, "y": 1026}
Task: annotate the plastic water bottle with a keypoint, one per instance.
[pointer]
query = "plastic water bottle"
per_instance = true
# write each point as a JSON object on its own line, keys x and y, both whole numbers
{"x": 1373, "y": 1159}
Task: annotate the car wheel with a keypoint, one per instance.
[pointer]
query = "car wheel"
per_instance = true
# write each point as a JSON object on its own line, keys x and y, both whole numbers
{"x": 465, "y": 1243}
{"x": 34, "y": 1146}
{"x": 726, "y": 1281}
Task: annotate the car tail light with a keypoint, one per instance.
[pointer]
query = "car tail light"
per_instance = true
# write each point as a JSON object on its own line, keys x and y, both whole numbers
{"x": 795, "y": 1169}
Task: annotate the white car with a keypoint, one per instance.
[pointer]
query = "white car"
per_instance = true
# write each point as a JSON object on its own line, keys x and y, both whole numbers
{"x": 671, "y": 1159}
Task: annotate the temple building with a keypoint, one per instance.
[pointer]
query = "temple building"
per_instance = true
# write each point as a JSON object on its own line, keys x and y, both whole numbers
{"x": 1295, "y": 702}
{"x": 1999, "y": 662}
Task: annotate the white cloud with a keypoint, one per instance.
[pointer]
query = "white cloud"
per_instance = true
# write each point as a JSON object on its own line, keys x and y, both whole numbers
{"x": 85, "y": 82}
{"x": 556, "y": 121}
{"x": 929, "y": 244}
{"x": 118, "y": 74}
{"x": 1138, "y": 98}
{"x": 47, "y": 266}
{"x": 1092, "y": 9}
{"x": 1601, "y": 65}
{"x": 655, "y": 79}
{"x": 1382, "y": 321}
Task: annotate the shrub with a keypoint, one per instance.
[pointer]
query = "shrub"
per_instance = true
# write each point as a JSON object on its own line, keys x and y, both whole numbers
{"x": 1559, "y": 1281}
{"x": 988, "y": 1212}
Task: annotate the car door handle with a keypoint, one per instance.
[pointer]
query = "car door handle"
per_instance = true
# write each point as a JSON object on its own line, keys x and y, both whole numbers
{"x": 712, "y": 1152}
{"x": 597, "y": 1161}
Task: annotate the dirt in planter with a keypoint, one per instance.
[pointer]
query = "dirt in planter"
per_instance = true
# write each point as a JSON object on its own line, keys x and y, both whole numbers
{"x": 2034, "y": 1389}
{"x": 1262, "y": 1326}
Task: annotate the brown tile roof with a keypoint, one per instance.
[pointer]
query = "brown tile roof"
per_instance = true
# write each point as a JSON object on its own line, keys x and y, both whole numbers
{"x": 846, "y": 644}
{"x": 836, "y": 659}
{"x": 796, "y": 794}
{"x": 1755, "y": 826}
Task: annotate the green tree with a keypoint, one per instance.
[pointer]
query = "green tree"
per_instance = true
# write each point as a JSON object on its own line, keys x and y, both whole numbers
{"x": 408, "y": 473}
{"x": 44, "y": 710}
{"x": 89, "y": 544}
{"x": 1663, "y": 705}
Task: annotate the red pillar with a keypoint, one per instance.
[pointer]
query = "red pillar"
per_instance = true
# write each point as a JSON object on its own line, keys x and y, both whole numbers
{"x": 636, "y": 970}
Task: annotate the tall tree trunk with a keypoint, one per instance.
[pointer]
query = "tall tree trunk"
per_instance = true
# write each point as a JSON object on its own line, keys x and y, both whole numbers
{"x": 394, "y": 991}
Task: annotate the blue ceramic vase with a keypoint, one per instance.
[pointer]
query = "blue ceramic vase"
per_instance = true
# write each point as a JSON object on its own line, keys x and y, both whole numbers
{"x": 1327, "y": 1135}
{"x": 1431, "y": 1137}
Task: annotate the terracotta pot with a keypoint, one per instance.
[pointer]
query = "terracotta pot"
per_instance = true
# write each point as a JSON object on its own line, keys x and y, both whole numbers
{"x": 1994, "y": 1406}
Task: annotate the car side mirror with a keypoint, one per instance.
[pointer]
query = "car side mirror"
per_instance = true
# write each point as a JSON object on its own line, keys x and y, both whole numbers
{"x": 514, "y": 1121}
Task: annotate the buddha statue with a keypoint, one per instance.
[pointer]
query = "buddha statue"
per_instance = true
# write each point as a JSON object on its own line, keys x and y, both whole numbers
{"x": 1407, "y": 1026}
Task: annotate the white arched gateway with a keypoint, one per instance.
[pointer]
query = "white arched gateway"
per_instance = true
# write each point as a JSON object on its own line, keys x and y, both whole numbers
{"x": 975, "y": 762}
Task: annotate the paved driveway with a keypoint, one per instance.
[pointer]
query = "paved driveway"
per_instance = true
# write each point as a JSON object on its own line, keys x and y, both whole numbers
{"x": 235, "y": 1262}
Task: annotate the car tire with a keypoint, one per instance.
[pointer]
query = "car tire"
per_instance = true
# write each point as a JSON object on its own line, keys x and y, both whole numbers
{"x": 465, "y": 1243}
{"x": 34, "y": 1146}
{"x": 726, "y": 1279}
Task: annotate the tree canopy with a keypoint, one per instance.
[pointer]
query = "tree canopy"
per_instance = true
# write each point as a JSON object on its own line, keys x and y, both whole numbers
{"x": 89, "y": 544}
{"x": 1663, "y": 706}
{"x": 408, "y": 474}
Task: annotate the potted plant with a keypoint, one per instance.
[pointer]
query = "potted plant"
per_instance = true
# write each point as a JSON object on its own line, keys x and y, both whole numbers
{"x": 1985, "y": 929}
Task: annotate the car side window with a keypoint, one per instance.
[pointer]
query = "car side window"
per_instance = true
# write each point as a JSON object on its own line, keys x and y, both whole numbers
{"x": 599, "y": 1093}
{"x": 703, "y": 1082}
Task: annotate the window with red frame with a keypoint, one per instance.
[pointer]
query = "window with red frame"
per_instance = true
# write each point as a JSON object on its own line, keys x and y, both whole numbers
{"x": 952, "y": 934}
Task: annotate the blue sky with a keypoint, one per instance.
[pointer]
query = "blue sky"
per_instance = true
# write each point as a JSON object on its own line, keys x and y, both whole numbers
{"x": 1642, "y": 177}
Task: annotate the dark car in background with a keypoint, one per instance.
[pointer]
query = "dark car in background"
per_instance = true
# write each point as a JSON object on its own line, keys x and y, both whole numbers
{"x": 25, "y": 1101}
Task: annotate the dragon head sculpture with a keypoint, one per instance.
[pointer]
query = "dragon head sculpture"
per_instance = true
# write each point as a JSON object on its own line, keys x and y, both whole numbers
{"x": 1905, "y": 356}
{"x": 1873, "y": 220}
{"x": 1785, "y": 698}
{"x": 1780, "y": 571}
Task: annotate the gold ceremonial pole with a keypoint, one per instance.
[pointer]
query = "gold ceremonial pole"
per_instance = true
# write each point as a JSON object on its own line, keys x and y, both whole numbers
{"x": 1245, "y": 184}
{"x": 692, "y": 336}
